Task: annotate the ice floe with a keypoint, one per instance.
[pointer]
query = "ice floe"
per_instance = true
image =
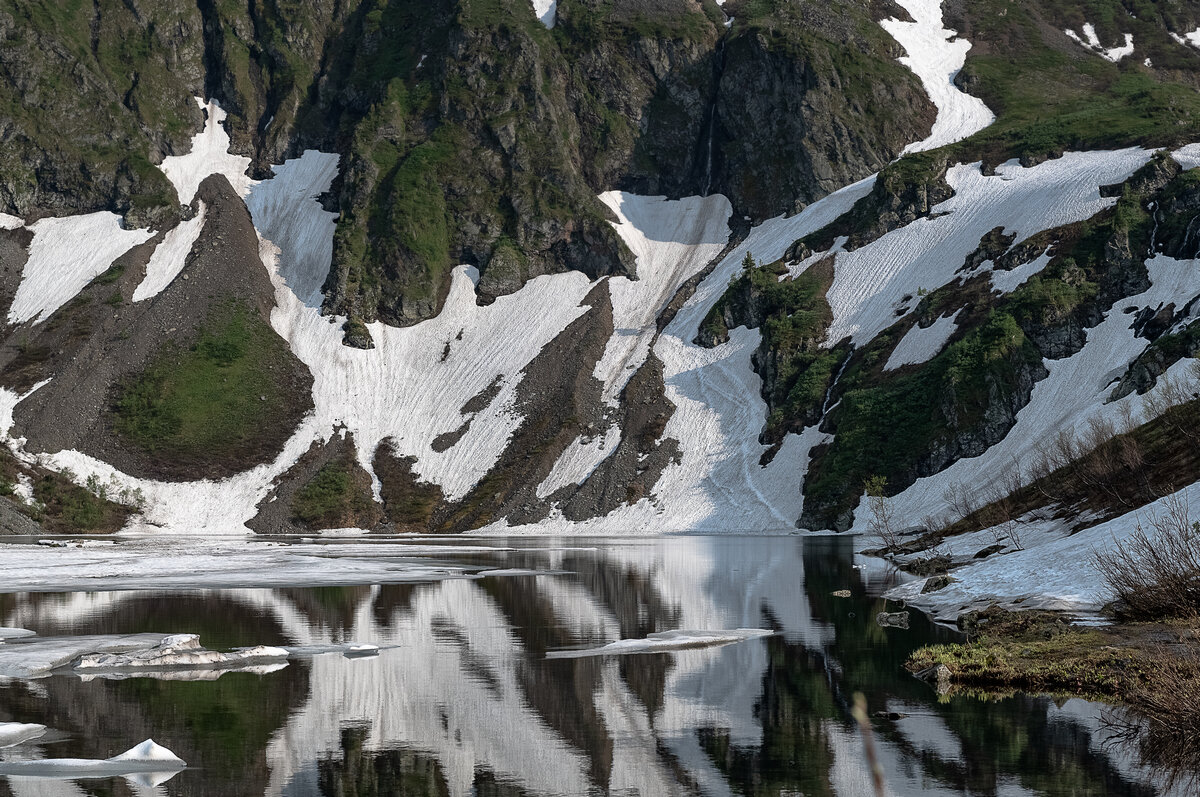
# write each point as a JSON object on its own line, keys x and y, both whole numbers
{"x": 665, "y": 641}
{"x": 181, "y": 651}
{"x": 37, "y": 657}
{"x": 921, "y": 345}
{"x": 1091, "y": 41}
{"x": 146, "y": 757}
{"x": 935, "y": 55}
{"x": 65, "y": 255}
{"x": 14, "y": 733}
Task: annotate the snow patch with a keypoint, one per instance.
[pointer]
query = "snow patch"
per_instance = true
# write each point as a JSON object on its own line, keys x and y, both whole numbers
{"x": 170, "y": 256}
{"x": 65, "y": 255}
{"x": 1091, "y": 41}
{"x": 935, "y": 55}
{"x": 1009, "y": 281}
{"x": 8, "y": 222}
{"x": 545, "y": 11}
{"x": 1187, "y": 156}
{"x": 1192, "y": 38}
{"x": 210, "y": 155}
{"x": 922, "y": 345}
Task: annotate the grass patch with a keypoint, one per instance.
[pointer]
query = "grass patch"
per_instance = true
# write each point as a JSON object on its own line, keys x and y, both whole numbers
{"x": 334, "y": 498}
{"x": 1039, "y": 652}
{"x": 212, "y": 399}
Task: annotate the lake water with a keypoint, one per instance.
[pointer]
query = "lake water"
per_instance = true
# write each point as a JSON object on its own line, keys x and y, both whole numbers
{"x": 484, "y": 684}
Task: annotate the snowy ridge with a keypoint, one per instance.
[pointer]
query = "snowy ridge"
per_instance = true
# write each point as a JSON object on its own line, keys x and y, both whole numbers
{"x": 922, "y": 345}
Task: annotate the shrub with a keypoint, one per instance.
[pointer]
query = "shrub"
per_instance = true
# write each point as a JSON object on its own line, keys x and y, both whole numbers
{"x": 1156, "y": 572}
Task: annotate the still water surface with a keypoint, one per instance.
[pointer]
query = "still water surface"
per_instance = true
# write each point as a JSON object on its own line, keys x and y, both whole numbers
{"x": 463, "y": 700}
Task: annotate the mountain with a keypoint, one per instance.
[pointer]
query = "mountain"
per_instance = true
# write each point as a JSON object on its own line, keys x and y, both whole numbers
{"x": 619, "y": 266}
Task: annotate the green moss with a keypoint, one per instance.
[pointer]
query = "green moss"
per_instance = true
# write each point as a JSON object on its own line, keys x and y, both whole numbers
{"x": 208, "y": 397}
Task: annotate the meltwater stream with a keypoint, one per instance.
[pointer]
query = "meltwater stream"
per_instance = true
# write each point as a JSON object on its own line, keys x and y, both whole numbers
{"x": 494, "y": 679}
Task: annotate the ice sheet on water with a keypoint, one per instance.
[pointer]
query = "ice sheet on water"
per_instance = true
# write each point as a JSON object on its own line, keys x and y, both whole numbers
{"x": 665, "y": 641}
{"x": 180, "y": 651}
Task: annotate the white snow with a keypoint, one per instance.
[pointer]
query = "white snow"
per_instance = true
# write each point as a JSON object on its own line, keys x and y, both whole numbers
{"x": 545, "y": 11}
{"x": 8, "y": 222}
{"x": 1187, "y": 156}
{"x": 665, "y": 641}
{"x": 1009, "y": 281}
{"x": 65, "y": 255}
{"x": 922, "y": 345}
{"x": 935, "y": 55}
{"x": 170, "y": 256}
{"x": 1192, "y": 38}
{"x": 927, "y": 253}
{"x": 1091, "y": 41}
{"x": 14, "y": 733}
{"x": 1054, "y": 571}
{"x": 209, "y": 155}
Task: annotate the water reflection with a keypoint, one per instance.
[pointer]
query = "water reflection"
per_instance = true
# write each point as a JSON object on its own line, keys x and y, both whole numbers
{"x": 462, "y": 700}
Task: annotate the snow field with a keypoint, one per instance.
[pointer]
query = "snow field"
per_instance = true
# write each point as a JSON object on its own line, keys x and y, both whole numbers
{"x": 170, "y": 256}
{"x": 928, "y": 253}
{"x": 65, "y": 255}
{"x": 922, "y": 345}
{"x": 1075, "y": 390}
{"x": 209, "y": 155}
{"x": 935, "y": 55}
{"x": 8, "y": 222}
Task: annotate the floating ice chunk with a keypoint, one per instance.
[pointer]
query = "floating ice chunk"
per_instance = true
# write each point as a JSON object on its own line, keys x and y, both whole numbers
{"x": 665, "y": 641}
{"x": 147, "y": 757}
{"x": 64, "y": 256}
{"x": 935, "y": 55}
{"x": 210, "y": 155}
{"x": 170, "y": 256}
{"x": 361, "y": 650}
{"x": 179, "y": 651}
{"x": 14, "y": 733}
{"x": 1091, "y": 41}
{"x": 922, "y": 345}
{"x": 35, "y": 658}
{"x": 546, "y": 11}
{"x": 15, "y": 633}
{"x": 75, "y": 543}
{"x": 8, "y": 222}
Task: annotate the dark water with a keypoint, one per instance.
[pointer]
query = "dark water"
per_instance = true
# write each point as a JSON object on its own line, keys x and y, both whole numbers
{"x": 462, "y": 700}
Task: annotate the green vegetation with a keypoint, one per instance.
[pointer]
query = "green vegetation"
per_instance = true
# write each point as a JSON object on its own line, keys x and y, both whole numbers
{"x": 211, "y": 399}
{"x": 335, "y": 498}
{"x": 885, "y": 426}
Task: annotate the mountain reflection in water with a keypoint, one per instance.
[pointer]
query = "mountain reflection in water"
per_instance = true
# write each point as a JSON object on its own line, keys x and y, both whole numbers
{"x": 462, "y": 700}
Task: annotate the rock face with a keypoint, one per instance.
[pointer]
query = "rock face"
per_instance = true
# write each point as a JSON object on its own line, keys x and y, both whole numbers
{"x": 469, "y": 132}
